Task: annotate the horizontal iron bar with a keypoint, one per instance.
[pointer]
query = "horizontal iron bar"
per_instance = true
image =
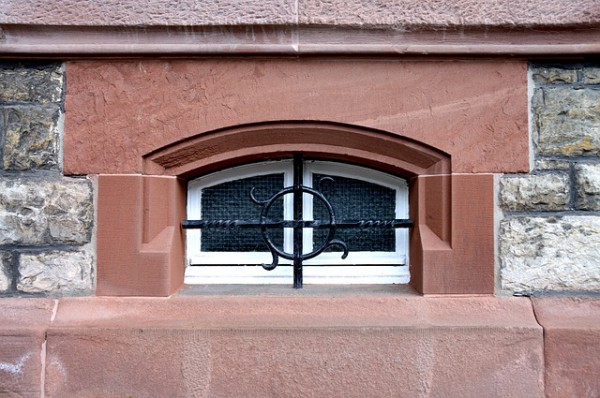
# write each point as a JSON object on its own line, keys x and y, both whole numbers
{"x": 304, "y": 265}
{"x": 200, "y": 224}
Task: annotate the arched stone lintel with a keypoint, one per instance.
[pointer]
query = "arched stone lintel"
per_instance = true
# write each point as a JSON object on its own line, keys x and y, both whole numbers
{"x": 227, "y": 147}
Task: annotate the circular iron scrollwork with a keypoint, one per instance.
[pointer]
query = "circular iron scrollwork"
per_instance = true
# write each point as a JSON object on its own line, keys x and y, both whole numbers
{"x": 276, "y": 252}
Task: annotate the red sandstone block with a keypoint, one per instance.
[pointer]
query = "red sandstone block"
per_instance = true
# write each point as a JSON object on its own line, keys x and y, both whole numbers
{"x": 320, "y": 346}
{"x": 22, "y": 337}
{"x": 572, "y": 345}
{"x": 448, "y": 105}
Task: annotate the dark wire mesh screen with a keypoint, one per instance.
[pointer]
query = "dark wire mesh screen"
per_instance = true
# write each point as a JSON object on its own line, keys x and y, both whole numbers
{"x": 230, "y": 201}
{"x": 353, "y": 199}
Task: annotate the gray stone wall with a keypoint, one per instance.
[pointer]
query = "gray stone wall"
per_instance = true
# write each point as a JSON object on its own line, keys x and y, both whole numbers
{"x": 46, "y": 219}
{"x": 549, "y": 238}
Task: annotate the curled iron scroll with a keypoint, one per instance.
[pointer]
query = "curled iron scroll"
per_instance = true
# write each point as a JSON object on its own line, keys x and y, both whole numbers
{"x": 276, "y": 252}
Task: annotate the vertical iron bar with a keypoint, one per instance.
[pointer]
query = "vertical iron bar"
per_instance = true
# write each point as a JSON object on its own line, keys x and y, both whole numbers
{"x": 298, "y": 229}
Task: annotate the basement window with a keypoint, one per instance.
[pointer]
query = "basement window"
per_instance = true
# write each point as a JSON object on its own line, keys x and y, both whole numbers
{"x": 244, "y": 228}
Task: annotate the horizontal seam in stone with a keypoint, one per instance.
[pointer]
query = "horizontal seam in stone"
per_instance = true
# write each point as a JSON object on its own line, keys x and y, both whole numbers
{"x": 87, "y": 329}
{"x": 44, "y": 248}
{"x": 45, "y": 174}
{"x": 565, "y": 293}
{"x": 591, "y": 158}
{"x": 25, "y": 104}
{"x": 550, "y": 214}
{"x": 536, "y": 173}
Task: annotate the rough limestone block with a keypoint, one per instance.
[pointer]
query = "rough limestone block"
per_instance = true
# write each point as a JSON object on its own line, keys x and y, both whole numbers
{"x": 541, "y": 192}
{"x": 550, "y": 254}
{"x": 567, "y": 121}
{"x": 571, "y": 345}
{"x": 5, "y": 274}
{"x": 56, "y": 273}
{"x": 35, "y": 82}
{"x": 591, "y": 75}
{"x": 23, "y": 323}
{"x": 30, "y": 137}
{"x": 587, "y": 177}
{"x": 551, "y": 164}
{"x": 549, "y": 74}
{"x": 36, "y": 211}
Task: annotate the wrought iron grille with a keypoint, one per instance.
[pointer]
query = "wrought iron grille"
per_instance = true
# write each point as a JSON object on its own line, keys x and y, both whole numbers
{"x": 298, "y": 224}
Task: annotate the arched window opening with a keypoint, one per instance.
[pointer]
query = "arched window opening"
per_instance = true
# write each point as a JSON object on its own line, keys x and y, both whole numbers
{"x": 350, "y": 225}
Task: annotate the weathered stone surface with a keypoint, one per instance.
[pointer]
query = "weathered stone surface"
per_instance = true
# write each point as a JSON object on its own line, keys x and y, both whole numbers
{"x": 543, "y": 192}
{"x": 382, "y": 345}
{"x": 550, "y": 254}
{"x": 481, "y": 123}
{"x": 571, "y": 345}
{"x": 397, "y": 13}
{"x": 551, "y": 164}
{"x": 412, "y": 13}
{"x": 549, "y": 74}
{"x": 587, "y": 177}
{"x": 30, "y": 138}
{"x": 38, "y": 211}
{"x": 150, "y": 12}
{"x": 591, "y": 75}
{"x": 39, "y": 82}
{"x": 5, "y": 274}
{"x": 23, "y": 324}
{"x": 56, "y": 273}
{"x": 567, "y": 121}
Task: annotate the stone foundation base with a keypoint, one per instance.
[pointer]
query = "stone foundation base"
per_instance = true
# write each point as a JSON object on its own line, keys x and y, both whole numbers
{"x": 317, "y": 343}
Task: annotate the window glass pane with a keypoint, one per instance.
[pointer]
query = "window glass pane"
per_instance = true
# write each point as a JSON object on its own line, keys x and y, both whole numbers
{"x": 354, "y": 199}
{"x": 231, "y": 201}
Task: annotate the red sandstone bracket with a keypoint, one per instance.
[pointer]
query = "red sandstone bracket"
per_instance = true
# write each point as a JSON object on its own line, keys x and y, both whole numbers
{"x": 140, "y": 244}
{"x": 452, "y": 244}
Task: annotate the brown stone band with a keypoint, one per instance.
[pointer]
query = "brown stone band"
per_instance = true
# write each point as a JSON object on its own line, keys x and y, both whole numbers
{"x": 18, "y": 41}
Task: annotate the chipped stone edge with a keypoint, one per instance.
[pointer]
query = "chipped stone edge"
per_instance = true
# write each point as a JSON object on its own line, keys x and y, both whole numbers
{"x": 498, "y": 217}
{"x": 92, "y": 244}
{"x": 60, "y": 124}
{"x": 530, "y": 94}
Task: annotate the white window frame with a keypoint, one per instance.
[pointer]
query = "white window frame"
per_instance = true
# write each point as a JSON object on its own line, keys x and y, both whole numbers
{"x": 224, "y": 268}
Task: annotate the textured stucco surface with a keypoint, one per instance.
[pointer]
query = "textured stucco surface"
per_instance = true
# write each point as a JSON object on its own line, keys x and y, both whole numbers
{"x": 151, "y": 12}
{"x": 462, "y": 13}
{"x": 401, "y": 14}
